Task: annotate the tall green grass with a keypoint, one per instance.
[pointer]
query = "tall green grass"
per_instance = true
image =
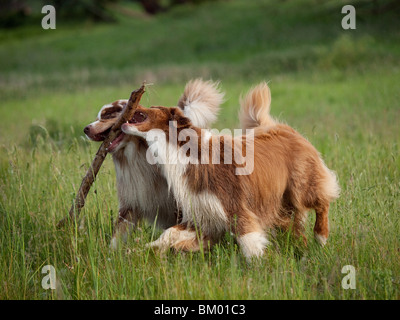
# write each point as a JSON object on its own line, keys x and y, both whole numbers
{"x": 338, "y": 89}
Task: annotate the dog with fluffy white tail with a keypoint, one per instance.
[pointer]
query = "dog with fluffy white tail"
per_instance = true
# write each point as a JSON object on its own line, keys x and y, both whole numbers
{"x": 287, "y": 177}
{"x": 142, "y": 190}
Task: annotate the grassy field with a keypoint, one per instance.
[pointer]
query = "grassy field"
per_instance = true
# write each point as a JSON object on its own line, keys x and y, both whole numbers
{"x": 339, "y": 88}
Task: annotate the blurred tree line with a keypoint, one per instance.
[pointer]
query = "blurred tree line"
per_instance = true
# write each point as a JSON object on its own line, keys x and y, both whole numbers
{"x": 156, "y": 6}
{"x": 18, "y": 12}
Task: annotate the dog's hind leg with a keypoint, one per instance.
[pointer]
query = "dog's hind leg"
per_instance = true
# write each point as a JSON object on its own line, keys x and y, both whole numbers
{"x": 321, "y": 228}
{"x": 127, "y": 220}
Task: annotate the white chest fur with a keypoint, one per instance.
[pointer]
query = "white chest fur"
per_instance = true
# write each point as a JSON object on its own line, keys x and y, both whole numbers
{"x": 203, "y": 209}
{"x": 141, "y": 187}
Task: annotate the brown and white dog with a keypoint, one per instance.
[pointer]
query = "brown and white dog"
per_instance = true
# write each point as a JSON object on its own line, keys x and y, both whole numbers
{"x": 287, "y": 177}
{"x": 142, "y": 190}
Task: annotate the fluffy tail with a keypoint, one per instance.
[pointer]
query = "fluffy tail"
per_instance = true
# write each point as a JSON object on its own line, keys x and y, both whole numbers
{"x": 200, "y": 102}
{"x": 330, "y": 184}
{"x": 255, "y": 107}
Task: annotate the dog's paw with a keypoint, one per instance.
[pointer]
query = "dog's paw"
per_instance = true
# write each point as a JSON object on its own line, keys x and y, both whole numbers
{"x": 154, "y": 245}
{"x": 320, "y": 239}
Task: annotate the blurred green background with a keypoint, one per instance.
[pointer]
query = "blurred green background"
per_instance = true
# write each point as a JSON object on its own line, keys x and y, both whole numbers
{"x": 107, "y": 46}
{"x": 112, "y": 46}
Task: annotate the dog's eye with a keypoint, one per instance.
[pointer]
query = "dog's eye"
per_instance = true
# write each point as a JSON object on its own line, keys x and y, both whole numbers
{"x": 109, "y": 116}
{"x": 138, "y": 117}
{"x": 110, "y": 113}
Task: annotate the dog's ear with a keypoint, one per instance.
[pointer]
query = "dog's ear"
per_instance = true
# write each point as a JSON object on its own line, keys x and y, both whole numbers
{"x": 181, "y": 120}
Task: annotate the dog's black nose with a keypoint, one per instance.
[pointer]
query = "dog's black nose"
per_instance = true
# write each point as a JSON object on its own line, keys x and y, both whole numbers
{"x": 86, "y": 130}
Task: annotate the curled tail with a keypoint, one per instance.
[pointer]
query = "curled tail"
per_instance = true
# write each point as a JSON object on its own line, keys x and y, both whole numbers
{"x": 255, "y": 107}
{"x": 200, "y": 102}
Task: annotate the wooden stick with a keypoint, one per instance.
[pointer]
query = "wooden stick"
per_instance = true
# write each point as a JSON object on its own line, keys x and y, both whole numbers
{"x": 101, "y": 154}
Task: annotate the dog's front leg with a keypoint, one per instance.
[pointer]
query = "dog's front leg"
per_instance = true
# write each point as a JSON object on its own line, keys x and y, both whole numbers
{"x": 126, "y": 223}
{"x": 181, "y": 238}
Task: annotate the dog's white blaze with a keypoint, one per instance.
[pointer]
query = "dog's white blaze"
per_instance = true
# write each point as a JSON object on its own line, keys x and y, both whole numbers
{"x": 253, "y": 244}
{"x": 93, "y": 124}
{"x": 122, "y": 102}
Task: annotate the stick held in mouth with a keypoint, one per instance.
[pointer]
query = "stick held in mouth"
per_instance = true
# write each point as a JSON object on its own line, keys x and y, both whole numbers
{"x": 101, "y": 154}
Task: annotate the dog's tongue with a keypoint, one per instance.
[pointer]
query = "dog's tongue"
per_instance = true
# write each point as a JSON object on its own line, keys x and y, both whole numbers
{"x": 115, "y": 142}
